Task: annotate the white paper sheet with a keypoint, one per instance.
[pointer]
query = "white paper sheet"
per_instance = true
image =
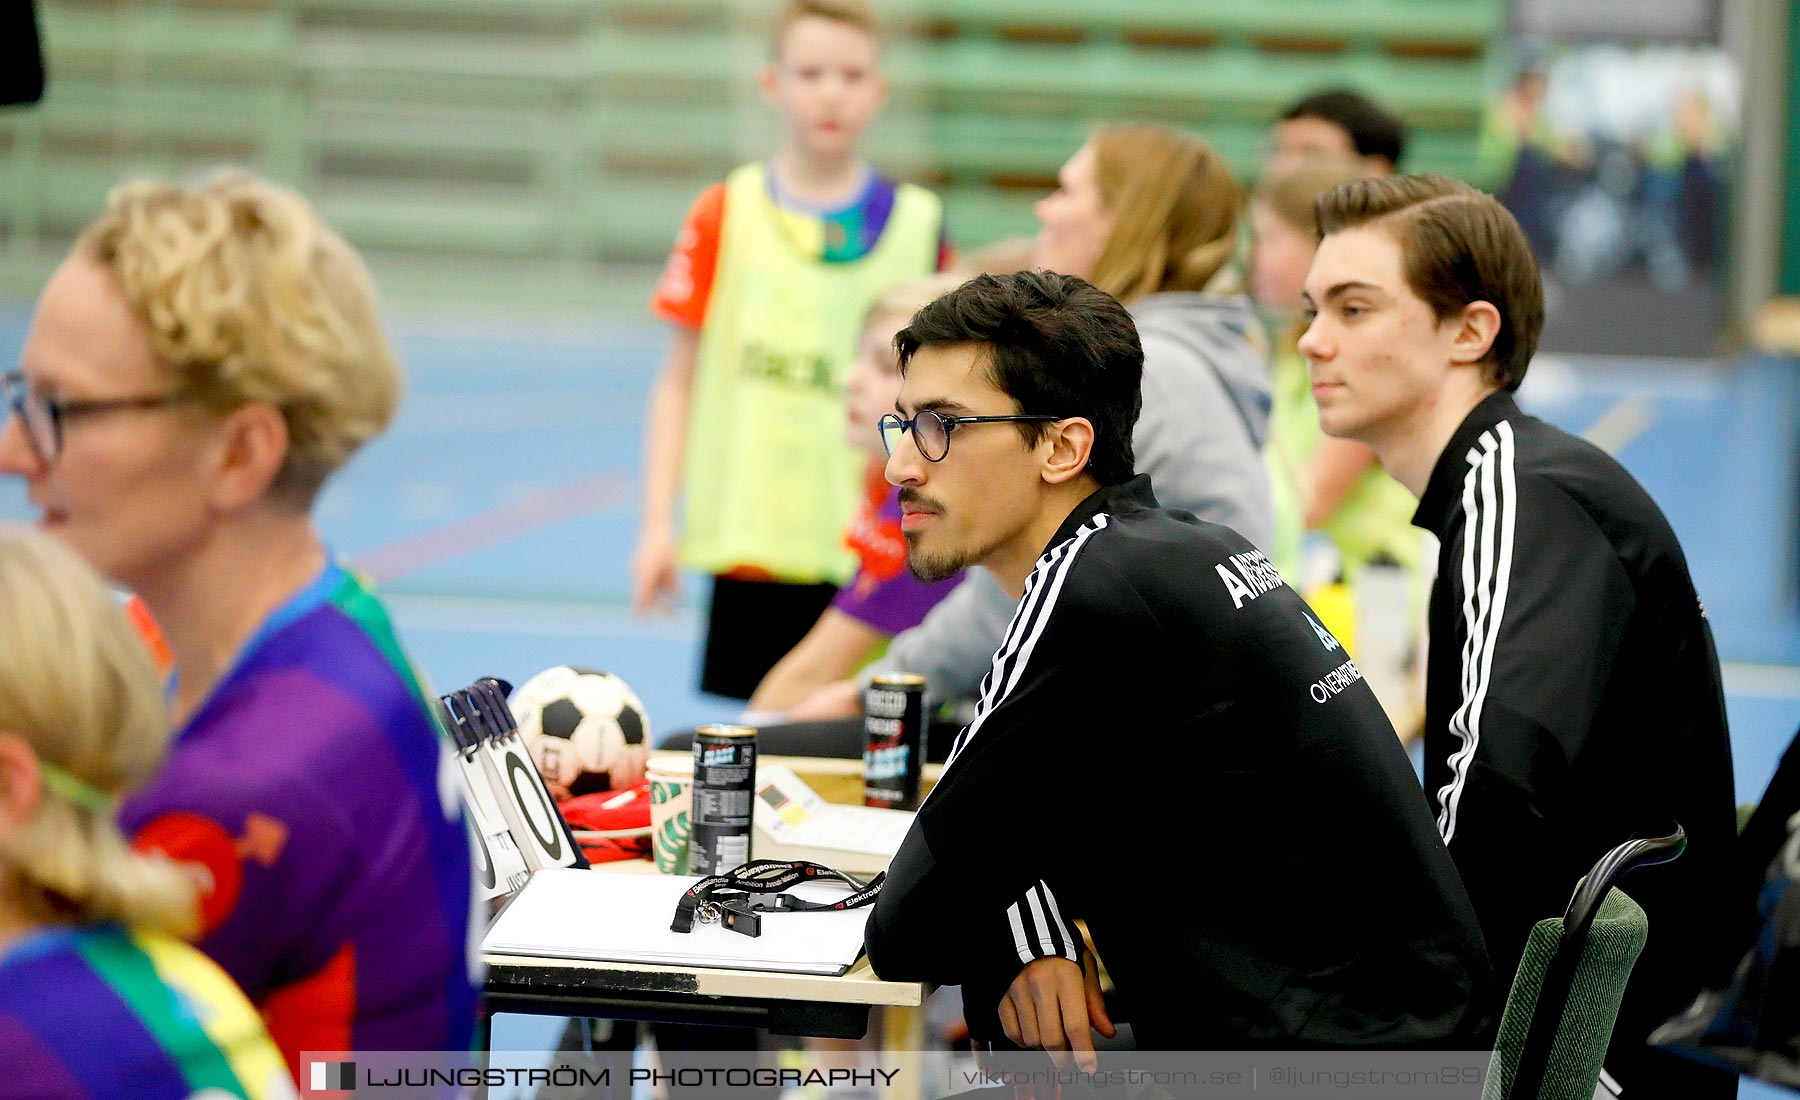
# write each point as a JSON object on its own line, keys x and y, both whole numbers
{"x": 570, "y": 913}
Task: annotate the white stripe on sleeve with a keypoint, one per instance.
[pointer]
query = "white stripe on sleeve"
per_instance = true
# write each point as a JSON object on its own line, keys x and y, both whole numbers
{"x": 1489, "y": 507}
{"x": 1034, "y": 611}
{"x": 1038, "y": 929}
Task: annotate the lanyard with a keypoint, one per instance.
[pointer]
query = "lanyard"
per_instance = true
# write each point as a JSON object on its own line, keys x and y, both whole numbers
{"x": 738, "y": 897}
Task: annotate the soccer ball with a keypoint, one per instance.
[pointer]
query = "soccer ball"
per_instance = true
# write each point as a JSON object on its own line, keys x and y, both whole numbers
{"x": 585, "y": 729}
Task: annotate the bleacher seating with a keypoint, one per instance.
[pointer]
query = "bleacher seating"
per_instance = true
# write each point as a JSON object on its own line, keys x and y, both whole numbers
{"x": 575, "y": 132}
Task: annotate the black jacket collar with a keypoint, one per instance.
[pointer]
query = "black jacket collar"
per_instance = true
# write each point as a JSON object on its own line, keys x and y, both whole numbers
{"x": 1127, "y": 496}
{"x": 1443, "y": 493}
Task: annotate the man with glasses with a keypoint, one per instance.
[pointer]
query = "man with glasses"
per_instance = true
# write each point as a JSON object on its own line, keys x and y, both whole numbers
{"x": 1252, "y": 733}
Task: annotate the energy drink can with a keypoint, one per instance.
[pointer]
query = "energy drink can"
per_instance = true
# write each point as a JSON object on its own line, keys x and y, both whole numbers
{"x": 724, "y": 785}
{"x": 894, "y": 752}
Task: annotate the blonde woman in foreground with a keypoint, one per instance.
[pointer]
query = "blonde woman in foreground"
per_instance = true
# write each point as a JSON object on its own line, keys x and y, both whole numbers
{"x": 195, "y": 371}
{"x": 98, "y": 997}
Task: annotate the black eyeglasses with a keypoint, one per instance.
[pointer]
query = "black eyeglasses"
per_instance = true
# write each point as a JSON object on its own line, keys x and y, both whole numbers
{"x": 43, "y": 417}
{"x": 931, "y": 429}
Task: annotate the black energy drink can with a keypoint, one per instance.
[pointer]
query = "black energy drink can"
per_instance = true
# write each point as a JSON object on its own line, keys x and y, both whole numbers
{"x": 894, "y": 750}
{"x": 724, "y": 788}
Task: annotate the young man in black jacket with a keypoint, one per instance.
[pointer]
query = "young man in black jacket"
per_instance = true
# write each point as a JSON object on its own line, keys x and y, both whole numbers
{"x": 1573, "y": 694}
{"x": 1168, "y": 744}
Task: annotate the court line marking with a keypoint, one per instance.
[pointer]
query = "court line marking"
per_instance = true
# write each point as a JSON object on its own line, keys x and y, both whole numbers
{"x": 1764, "y": 681}
{"x": 1619, "y": 425}
{"x": 543, "y": 617}
{"x": 532, "y": 512}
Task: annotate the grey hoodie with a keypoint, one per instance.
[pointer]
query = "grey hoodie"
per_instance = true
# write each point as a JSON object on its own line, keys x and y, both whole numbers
{"x": 1199, "y": 437}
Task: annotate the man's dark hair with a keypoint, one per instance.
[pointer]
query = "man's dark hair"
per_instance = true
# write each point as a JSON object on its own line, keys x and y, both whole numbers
{"x": 1457, "y": 245}
{"x": 1057, "y": 345}
{"x": 1373, "y": 129}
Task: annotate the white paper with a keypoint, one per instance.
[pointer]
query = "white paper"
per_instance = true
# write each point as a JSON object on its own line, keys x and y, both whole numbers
{"x": 570, "y": 913}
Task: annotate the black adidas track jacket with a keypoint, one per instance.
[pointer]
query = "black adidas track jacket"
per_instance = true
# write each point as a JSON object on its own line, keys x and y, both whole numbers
{"x": 1573, "y": 699}
{"x": 1169, "y": 746}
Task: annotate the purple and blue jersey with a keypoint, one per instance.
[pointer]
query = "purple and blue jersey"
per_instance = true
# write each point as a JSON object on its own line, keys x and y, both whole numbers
{"x": 315, "y": 788}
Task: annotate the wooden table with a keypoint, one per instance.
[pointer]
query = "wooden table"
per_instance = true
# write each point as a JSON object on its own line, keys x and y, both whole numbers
{"x": 787, "y": 1004}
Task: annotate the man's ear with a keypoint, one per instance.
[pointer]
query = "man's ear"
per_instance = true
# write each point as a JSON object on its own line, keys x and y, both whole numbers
{"x": 1477, "y": 327}
{"x": 765, "y": 83}
{"x": 253, "y": 445}
{"x": 1071, "y": 444}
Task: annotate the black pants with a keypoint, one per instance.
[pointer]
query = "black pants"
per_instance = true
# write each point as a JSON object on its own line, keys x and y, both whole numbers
{"x": 750, "y": 625}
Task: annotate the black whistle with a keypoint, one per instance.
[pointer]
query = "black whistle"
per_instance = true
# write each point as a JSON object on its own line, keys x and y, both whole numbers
{"x": 740, "y": 919}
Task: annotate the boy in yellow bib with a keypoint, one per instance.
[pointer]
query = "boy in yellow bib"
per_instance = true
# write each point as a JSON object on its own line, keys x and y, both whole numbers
{"x": 770, "y": 277}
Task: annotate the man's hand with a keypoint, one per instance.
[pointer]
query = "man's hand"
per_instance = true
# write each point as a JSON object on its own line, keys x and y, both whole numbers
{"x": 839, "y": 699}
{"x": 1050, "y": 1005}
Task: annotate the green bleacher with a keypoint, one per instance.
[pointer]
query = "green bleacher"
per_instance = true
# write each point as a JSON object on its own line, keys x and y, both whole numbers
{"x": 559, "y": 141}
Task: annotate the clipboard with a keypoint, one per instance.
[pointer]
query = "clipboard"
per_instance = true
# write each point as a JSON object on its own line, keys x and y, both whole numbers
{"x": 565, "y": 913}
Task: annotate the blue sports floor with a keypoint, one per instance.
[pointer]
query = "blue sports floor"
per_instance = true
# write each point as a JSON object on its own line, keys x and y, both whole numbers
{"x": 500, "y": 510}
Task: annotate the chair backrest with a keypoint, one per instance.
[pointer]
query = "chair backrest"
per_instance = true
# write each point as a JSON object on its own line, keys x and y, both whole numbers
{"x": 1565, "y": 996}
{"x": 1585, "y": 1026}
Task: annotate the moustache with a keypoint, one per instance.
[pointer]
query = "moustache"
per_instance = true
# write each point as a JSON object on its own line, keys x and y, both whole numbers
{"x": 919, "y": 501}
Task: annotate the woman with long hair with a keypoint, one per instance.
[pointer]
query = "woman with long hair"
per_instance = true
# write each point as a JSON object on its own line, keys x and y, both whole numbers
{"x": 1152, "y": 216}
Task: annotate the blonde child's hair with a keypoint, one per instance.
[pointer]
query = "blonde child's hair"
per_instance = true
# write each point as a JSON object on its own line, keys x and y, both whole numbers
{"x": 77, "y": 686}
{"x": 1290, "y": 195}
{"x": 859, "y": 14}
{"x": 250, "y": 297}
{"x": 1001, "y": 257}
{"x": 1176, "y": 209}
{"x": 907, "y": 297}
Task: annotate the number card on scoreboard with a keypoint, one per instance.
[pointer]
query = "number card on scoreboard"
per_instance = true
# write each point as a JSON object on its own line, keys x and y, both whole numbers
{"x": 499, "y": 865}
{"x": 518, "y": 791}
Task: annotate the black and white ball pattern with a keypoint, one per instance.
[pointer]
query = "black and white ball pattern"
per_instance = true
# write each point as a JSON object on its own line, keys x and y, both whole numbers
{"x": 585, "y": 729}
